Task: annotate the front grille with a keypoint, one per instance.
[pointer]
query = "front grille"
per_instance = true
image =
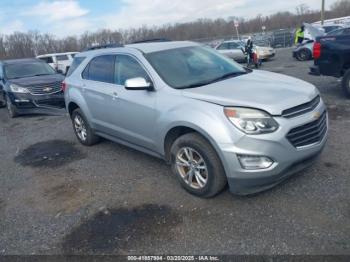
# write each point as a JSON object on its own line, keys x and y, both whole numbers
{"x": 310, "y": 133}
{"x": 302, "y": 109}
{"x": 45, "y": 89}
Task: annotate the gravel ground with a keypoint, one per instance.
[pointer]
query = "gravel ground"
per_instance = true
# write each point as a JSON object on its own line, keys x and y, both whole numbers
{"x": 58, "y": 197}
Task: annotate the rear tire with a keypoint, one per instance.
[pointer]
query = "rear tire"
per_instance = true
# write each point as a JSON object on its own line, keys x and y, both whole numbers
{"x": 82, "y": 129}
{"x": 204, "y": 175}
{"x": 346, "y": 83}
{"x": 304, "y": 55}
{"x": 11, "y": 109}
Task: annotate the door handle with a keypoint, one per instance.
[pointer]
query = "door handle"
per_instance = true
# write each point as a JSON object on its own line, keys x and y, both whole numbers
{"x": 115, "y": 95}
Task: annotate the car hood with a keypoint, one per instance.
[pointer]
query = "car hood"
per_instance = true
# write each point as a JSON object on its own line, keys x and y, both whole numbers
{"x": 37, "y": 80}
{"x": 264, "y": 90}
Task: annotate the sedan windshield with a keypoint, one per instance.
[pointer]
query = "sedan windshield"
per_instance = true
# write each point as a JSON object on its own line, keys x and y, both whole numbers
{"x": 19, "y": 70}
{"x": 194, "y": 66}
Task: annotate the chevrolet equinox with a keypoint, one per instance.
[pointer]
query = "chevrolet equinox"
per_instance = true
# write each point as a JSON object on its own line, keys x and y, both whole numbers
{"x": 213, "y": 120}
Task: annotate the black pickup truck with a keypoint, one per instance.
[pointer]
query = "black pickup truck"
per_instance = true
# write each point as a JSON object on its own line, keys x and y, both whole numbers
{"x": 332, "y": 58}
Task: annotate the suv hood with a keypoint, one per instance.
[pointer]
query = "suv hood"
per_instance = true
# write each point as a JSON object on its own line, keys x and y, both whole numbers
{"x": 263, "y": 90}
{"x": 37, "y": 80}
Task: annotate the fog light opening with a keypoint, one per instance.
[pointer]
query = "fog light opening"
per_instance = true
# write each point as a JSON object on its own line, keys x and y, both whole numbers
{"x": 255, "y": 162}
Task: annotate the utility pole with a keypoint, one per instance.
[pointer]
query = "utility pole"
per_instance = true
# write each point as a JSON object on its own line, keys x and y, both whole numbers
{"x": 322, "y": 12}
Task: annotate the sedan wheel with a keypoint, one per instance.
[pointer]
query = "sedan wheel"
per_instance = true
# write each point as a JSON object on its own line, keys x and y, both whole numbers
{"x": 192, "y": 168}
{"x": 10, "y": 108}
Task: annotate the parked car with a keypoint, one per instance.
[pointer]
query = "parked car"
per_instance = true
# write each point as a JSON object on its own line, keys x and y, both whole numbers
{"x": 232, "y": 49}
{"x": 59, "y": 61}
{"x": 303, "y": 52}
{"x": 235, "y": 49}
{"x": 30, "y": 86}
{"x": 332, "y": 58}
{"x": 213, "y": 120}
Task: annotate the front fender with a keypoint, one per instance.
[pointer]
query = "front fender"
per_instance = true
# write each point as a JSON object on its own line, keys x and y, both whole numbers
{"x": 205, "y": 118}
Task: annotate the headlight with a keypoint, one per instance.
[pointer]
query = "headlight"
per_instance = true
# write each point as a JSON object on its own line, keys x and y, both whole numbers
{"x": 18, "y": 89}
{"x": 251, "y": 121}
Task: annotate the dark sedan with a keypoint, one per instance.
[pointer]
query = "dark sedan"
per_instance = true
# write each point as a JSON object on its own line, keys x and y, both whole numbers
{"x": 29, "y": 86}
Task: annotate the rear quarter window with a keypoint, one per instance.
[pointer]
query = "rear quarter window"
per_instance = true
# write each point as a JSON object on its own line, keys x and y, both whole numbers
{"x": 75, "y": 64}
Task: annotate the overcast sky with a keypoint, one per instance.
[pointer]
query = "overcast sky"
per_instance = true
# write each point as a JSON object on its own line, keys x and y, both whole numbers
{"x": 70, "y": 17}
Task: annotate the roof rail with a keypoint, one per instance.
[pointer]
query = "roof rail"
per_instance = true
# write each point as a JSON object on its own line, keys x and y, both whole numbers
{"x": 102, "y": 47}
{"x": 154, "y": 40}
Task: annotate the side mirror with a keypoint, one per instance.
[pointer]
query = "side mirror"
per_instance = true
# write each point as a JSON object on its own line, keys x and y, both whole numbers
{"x": 138, "y": 83}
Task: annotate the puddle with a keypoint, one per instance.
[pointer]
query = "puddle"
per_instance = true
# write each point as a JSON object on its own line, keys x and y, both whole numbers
{"x": 336, "y": 112}
{"x": 120, "y": 229}
{"x": 52, "y": 153}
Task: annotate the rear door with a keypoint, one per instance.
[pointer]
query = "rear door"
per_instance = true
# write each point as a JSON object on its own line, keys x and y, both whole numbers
{"x": 236, "y": 51}
{"x": 100, "y": 92}
{"x": 224, "y": 49}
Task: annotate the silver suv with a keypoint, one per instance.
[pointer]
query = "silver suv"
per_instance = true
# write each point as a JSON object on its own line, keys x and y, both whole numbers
{"x": 211, "y": 119}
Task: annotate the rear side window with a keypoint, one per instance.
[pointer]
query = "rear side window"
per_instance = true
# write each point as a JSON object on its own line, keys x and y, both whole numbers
{"x": 100, "y": 69}
{"x": 76, "y": 62}
{"x": 47, "y": 59}
{"x": 234, "y": 45}
{"x": 223, "y": 46}
{"x": 62, "y": 58}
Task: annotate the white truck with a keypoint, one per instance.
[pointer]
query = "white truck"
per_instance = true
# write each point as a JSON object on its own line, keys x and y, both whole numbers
{"x": 59, "y": 61}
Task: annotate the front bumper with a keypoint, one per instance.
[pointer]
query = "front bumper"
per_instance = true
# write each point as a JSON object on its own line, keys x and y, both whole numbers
{"x": 266, "y": 56}
{"x": 38, "y": 104}
{"x": 288, "y": 159}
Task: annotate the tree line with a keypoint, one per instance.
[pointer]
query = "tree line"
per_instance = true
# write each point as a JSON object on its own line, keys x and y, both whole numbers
{"x": 30, "y": 44}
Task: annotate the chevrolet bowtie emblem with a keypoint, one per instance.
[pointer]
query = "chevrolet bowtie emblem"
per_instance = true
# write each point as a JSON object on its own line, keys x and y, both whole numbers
{"x": 317, "y": 115}
{"x": 47, "y": 89}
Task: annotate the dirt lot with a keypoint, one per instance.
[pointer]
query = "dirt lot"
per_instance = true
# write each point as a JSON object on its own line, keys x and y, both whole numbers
{"x": 57, "y": 196}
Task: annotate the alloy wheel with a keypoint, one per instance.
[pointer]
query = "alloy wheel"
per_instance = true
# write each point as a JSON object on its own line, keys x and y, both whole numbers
{"x": 192, "y": 167}
{"x": 80, "y": 128}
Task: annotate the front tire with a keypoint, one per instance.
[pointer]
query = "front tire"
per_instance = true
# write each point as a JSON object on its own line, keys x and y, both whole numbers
{"x": 346, "y": 83}
{"x": 82, "y": 129}
{"x": 11, "y": 109}
{"x": 197, "y": 166}
{"x": 304, "y": 55}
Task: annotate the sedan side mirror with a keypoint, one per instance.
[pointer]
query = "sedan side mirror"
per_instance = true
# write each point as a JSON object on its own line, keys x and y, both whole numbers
{"x": 138, "y": 83}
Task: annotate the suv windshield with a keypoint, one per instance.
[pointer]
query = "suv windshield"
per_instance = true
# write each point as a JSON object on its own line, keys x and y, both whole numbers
{"x": 194, "y": 66}
{"x": 21, "y": 70}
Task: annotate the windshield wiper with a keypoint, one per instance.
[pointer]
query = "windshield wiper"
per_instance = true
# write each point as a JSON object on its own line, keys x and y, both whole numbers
{"x": 42, "y": 74}
{"x": 223, "y": 77}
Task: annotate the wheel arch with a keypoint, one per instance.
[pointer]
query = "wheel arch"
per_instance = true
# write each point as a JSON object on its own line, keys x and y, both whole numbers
{"x": 176, "y": 131}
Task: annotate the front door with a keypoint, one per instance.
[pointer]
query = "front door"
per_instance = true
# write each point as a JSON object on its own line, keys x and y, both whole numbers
{"x": 135, "y": 117}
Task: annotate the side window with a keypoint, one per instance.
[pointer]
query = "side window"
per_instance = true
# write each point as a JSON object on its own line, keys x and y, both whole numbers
{"x": 346, "y": 31}
{"x": 126, "y": 68}
{"x": 234, "y": 46}
{"x": 100, "y": 69}
{"x": 223, "y": 46}
{"x": 47, "y": 59}
{"x": 62, "y": 58}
